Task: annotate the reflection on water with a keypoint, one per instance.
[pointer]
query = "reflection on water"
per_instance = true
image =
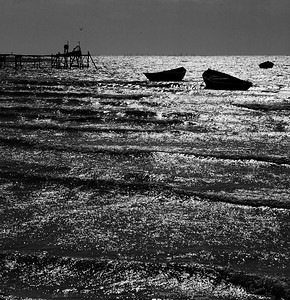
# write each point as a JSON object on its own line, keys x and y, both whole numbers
{"x": 114, "y": 187}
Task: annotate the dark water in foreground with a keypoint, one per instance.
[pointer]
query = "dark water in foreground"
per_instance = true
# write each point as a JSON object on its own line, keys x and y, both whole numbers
{"x": 112, "y": 187}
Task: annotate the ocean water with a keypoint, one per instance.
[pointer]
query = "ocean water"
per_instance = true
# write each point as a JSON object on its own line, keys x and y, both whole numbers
{"x": 114, "y": 187}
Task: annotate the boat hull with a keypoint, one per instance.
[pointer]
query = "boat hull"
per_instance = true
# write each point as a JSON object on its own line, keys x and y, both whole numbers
{"x": 168, "y": 75}
{"x": 266, "y": 65}
{"x": 221, "y": 81}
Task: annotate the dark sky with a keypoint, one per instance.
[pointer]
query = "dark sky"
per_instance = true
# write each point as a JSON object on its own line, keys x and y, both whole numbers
{"x": 201, "y": 27}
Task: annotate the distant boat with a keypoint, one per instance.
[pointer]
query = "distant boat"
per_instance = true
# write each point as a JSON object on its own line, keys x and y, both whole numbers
{"x": 266, "y": 65}
{"x": 221, "y": 81}
{"x": 168, "y": 75}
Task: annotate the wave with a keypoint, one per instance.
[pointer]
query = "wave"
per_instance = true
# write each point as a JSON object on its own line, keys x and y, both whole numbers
{"x": 81, "y": 110}
{"x": 81, "y": 114}
{"x": 52, "y": 112}
{"x": 265, "y": 107}
{"x": 71, "y": 128}
{"x": 22, "y": 82}
{"x": 86, "y": 278}
{"x": 47, "y": 94}
{"x": 37, "y": 175}
{"x": 66, "y": 82}
{"x": 25, "y": 143}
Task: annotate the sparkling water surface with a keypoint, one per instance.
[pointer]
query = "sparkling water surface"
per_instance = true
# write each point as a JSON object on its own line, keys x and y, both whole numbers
{"x": 114, "y": 187}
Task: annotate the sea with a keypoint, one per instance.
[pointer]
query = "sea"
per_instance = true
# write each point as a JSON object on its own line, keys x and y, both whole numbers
{"x": 115, "y": 187}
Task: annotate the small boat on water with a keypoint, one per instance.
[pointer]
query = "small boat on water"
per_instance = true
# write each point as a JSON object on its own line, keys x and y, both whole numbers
{"x": 266, "y": 65}
{"x": 168, "y": 75}
{"x": 221, "y": 81}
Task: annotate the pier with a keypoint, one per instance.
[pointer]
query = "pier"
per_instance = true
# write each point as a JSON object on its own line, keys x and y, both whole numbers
{"x": 20, "y": 60}
{"x": 66, "y": 60}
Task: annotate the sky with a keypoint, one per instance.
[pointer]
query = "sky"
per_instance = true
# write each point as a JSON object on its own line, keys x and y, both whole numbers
{"x": 146, "y": 27}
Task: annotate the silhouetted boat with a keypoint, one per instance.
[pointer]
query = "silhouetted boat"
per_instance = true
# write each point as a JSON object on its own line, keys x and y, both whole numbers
{"x": 266, "y": 65}
{"x": 168, "y": 75}
{"x": 221, "y": 81}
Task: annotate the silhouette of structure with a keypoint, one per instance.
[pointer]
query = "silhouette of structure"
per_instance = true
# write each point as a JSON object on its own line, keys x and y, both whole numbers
{"x": 66, "y": 60}
{"x": 70, "y": 59}
{"x": 21, "y": 60}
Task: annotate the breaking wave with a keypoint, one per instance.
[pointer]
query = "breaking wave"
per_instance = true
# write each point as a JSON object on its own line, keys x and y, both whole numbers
{"x": 111, "y": 279}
